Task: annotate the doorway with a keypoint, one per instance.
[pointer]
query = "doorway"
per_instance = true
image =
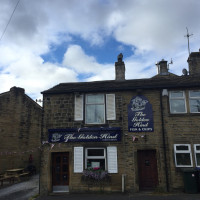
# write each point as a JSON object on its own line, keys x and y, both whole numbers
{"x": 147, "y": 169}
{"x": 60, "y": 171}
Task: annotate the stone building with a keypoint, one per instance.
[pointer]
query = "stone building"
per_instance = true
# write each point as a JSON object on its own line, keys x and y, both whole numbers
{"x": 20, "y": 130}
{"x": 143, "y": 132}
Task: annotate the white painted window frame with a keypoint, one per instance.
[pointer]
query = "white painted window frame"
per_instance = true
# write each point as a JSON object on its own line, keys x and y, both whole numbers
{"x": 86, "y": 103}
{"x": 95, "y": 157}
{"x": 193, "y": 98}
{"x": 177, "y": 98}
{"x": 183, "y": 151}
{"x": 195, "y": 152}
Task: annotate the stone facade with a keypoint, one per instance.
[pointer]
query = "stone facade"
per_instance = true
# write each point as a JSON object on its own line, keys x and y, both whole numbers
{"x": 20, "y": 130}
{"x": 153, "y": 148}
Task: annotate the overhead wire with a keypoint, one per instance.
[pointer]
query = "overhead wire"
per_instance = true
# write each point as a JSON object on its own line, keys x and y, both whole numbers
{"x": 9, "y": 21}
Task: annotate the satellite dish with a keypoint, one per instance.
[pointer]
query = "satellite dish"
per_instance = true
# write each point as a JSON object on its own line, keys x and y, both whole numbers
{"x": 185, "y": 72}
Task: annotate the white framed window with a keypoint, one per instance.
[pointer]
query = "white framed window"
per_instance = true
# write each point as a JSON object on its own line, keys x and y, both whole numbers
{"x": 183, "y": 156}
{"x": 197, "y": 154}
{"x": 95, "y": 109}
{"x": 177, "y": 102}
{"x": 95, "y": 158}
{"x": 194, "y": 100}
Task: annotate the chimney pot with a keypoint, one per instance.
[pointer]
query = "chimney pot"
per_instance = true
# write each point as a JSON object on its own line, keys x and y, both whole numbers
{"x": 194, "y": 63}
{"x": 162, "y": 67}
{"x": 120, "y": 68}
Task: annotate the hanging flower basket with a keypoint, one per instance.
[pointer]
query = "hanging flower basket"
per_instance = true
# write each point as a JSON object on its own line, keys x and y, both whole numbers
{"x": 96, "y": 176}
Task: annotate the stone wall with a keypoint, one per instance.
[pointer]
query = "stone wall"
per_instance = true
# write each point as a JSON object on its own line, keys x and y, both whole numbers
{"x": 176, "y": 129}
{"x": 20, "y": 130}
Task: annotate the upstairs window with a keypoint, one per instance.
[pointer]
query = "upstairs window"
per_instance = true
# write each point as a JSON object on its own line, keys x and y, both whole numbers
{"x": 197, "y": 154}
{"x": 177, "y": 102}
{"x": 194, "y": 99}
{"x": 95, "y": 108}
{"x": 182, "y": 154}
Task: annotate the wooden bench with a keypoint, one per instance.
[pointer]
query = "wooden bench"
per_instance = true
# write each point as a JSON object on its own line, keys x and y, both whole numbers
{"x": 24, "y": 174}
{"x": 11, "y": 179}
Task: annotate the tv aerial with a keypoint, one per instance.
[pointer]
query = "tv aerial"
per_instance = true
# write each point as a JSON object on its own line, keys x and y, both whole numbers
{"x": 188, "y": 36}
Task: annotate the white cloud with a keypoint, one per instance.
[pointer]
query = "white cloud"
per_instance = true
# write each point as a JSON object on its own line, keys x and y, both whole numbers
{"x": 76, "y": 59}
{"x": 30, "y": 72}
{"x": 154, "y": 28}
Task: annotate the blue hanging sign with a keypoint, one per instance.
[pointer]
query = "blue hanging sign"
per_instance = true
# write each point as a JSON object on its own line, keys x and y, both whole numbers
{"x": 84, "y": 135}
{"x": 140, "y": 115}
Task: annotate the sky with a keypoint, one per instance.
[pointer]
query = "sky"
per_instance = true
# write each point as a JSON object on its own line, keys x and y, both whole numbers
{"x": 47, "y": 42}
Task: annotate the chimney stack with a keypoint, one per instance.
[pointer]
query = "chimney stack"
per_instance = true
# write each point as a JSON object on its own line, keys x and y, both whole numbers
{"x": 162, "y": 67}
{"x": 194, "y": 63}
{"x": 120, "y": 68}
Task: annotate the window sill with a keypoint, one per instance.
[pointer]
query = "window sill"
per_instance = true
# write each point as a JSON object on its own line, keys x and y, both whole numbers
{"x": 96, "y": 125}
{"x": 184, "y": 114}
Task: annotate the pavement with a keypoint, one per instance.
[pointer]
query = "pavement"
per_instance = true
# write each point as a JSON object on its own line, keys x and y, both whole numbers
{"x": 120, "y": 196}
{"x": 21, "y": 190}
{"x": 27, "y": 189}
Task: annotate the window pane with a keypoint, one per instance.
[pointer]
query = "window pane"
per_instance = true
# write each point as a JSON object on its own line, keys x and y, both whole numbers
{"x": 95, "y": 114}
{"x": 198, "y": 159}
{"x": 183, "y": 159}
{"x": 58, "y": 159}
{"x": 95, "y": 152}
{"x": 65, "y": 168}
{"x": 194, "y": 105}
{"x": 183, "y": 148}
{"x": 177, "y": 106}
{"x": 198, "y": 148}
{"x": 95, "y": 99}
{"x": 177, "y": 94}
{"x": 99, "y": 163}
{"x": 195, "y": 94}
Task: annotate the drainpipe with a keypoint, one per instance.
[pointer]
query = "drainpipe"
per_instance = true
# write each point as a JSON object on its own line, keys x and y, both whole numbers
{"x": 164, "y": 142}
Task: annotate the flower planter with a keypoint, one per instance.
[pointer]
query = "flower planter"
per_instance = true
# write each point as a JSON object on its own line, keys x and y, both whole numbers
{"x": 96, "y": 178}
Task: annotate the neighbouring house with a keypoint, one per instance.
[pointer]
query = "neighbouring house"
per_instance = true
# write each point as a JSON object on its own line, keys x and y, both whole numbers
{"x": 20, "y": 130}
{"x": 122, "y": 135}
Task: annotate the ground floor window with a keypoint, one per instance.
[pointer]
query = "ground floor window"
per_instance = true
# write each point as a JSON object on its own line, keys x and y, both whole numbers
{"x": 183, "y": 156}
{"x": 95, "y": 158}
{"x": 104, "y": 158}
{"x": 197, "y": 154}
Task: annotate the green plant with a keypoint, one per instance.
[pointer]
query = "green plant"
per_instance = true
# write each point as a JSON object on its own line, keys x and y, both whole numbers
{"x": 95, "y": 174}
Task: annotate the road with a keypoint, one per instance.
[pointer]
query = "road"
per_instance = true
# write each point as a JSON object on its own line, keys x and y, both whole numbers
{"x": 21, "y": 191}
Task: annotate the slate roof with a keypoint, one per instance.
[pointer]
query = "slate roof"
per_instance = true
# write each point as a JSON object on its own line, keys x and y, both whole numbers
{"x": 156, "y": 82}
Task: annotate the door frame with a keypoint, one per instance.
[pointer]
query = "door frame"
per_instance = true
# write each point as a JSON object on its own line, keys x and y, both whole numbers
{"x": 52, "y": 166}
{"x": 154, "y": 160}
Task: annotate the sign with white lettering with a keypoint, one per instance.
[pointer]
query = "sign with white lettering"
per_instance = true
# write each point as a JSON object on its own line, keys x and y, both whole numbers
{"x": 85, "y": 135}
{"x": 140, "y": 115}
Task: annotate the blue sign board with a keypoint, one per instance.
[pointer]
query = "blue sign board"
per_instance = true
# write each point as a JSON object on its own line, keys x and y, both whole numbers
{"x": 84, "y": 135}
{"x": 140, "y": 115}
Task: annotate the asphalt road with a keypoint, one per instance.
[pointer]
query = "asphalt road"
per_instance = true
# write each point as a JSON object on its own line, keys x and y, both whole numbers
{"x": 20, "y": 191}
{"x": 120, "y": 196}
{"x": 27, "y": 189}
